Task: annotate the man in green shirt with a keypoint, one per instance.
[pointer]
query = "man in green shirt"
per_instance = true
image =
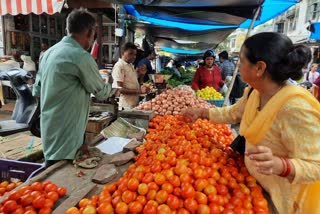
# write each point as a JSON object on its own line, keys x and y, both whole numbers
{"x": 67, "y": 76}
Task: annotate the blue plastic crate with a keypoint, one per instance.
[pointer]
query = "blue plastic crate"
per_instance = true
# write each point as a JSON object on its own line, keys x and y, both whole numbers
{"x": 18, "y": 169}
{"x": 218, "y": 103}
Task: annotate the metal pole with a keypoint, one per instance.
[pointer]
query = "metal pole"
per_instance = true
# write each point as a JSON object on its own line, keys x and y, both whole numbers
{"x": 238, "y": 62}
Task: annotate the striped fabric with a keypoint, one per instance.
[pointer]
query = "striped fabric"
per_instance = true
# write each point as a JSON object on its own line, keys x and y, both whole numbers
{"x": 15, "y": 7}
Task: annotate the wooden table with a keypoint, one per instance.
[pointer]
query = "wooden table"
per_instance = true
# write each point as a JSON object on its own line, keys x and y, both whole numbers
{"x": 21, "y": 146}
{"x": 64, "y": 173}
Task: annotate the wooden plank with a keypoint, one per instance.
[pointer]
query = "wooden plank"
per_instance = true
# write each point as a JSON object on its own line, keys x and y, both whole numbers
{"x": 15, "y": 146}
{"x": 73, "y": 199}
{"x": 135, "y": 114}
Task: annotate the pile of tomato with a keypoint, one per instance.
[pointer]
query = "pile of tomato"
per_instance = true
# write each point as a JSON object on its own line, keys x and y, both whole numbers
{"x": 6, "y": 186}
{"x": 32, "y": 199}
{"x": 181, "y": 168}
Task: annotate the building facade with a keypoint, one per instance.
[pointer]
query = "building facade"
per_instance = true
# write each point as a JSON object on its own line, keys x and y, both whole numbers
{"x": 293, "y": 23}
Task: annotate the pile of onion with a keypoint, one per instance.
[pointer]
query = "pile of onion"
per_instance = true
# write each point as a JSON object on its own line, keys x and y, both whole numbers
{"x": 172, "y": 102}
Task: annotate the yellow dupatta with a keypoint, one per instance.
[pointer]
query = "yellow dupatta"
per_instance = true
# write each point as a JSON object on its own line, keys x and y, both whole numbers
{"x": 254, "y": 126}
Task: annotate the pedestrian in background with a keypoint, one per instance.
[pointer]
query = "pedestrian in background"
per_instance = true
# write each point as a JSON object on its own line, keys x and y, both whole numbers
{"x": 207, "y": 75}
{"x": 226, "y": 66}
{"x": 312, "y": 75}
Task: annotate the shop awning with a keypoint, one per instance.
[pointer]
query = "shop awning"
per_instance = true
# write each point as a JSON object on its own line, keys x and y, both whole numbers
{"x": 15, "y": 7}
{"x": 315, "y": 31}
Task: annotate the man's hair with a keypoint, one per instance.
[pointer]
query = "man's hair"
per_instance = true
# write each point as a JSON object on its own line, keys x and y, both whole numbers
{"x": 224, "y": 55}
{"x": 127, "y": 46}
{"x": 80, "y": 20}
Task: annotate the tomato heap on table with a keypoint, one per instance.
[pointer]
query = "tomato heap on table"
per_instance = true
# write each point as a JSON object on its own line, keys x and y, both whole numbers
{"x": 32, "y": 199}
{"x": 182, "y": 168}
{"x": 6, "y": 186}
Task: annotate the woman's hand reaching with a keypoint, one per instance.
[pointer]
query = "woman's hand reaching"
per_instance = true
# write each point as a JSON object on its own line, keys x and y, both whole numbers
{"x": 196, "y": 113}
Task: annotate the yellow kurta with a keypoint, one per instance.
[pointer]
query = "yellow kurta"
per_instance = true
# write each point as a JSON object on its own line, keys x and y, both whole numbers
{"x": 295, "y": 135}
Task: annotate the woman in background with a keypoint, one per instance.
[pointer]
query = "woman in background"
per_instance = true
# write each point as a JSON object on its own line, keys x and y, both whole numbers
{"x": 207, "y": 75}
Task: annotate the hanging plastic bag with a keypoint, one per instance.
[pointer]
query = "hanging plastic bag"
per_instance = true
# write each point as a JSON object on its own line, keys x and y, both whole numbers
{"x": 95, "y": 50}
{"x": 223, "y": 90}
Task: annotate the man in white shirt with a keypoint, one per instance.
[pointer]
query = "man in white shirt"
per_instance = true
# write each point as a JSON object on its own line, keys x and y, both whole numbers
{"x": 125, "y": 77}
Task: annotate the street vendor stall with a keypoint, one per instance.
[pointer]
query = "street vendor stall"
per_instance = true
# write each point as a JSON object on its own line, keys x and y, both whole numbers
{"x": 158, "y": 175}
{"x": 179, "y": 166}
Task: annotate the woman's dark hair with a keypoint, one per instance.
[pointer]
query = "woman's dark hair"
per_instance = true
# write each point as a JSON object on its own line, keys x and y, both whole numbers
{"x": 283, "y": 59}
{"x": 127, "y": 46}
{"x": 80, "y": 20}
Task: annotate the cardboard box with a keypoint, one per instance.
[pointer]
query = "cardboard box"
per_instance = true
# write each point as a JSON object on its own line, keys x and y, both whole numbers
{"x": 96, "y": 126}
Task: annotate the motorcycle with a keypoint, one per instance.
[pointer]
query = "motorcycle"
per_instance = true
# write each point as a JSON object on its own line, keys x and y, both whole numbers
{"x": 26, "y": 113}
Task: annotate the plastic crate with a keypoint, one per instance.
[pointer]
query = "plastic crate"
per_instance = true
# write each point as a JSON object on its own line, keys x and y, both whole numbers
{"x": 18, "y": 169}
{"x": 218, "y": 103}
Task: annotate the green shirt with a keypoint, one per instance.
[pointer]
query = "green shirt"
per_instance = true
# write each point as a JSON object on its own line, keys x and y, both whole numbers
{"x": 67, "y": 76}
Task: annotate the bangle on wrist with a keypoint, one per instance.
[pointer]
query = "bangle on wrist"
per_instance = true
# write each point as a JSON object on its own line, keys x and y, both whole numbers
{"x": 286, "y": 167}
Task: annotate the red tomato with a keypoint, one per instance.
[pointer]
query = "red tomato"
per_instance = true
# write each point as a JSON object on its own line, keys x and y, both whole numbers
{"x": 89, "y": 210}
{"x": 173, "y": 202}
{"x": 159, "y": 179}
{"x": 174, "y": 180}
{"x": 54, "y": 196}
{"x": 148, "y": 177}
{"x": 143, "y": 189}
{"x": 150, "y": 209}
{"x": 14, "y": 195}
{"x": 122, "y": 208}
{"x": 105, "y": 208}
{"x": 214, "y": 208}
{"x": 37, "y": 186}
{"x": 187, "y": 190}
{"x": 200, "y": 184}
{"x": 18, "y": 211}
{"x": 135, "y": 207}
{"x": 167, "y": 187}
{"x": 45, "y": 210}
{"x": 142, "y": 199}
{"x": 83, "y": 202}
{"x": 164, "y": 209}
{"x": 127, "y": 196}
{"x": 30, "y": 212}
{"x": 191, "y": 204}
{"x": 39, "y": 202}
{"x": 73, "y": 210}
{"x": 133, "y": 184}
{"x": 201, "y": 198}
{"x": 50, "y": 187}
{"x": 9, "y": 206}
{"x": 26, "y": 199}
{"x": 161, "y": 196}
{"x": 222, "y": 189}
{"x": 48, "y": 203}
{"x": 203, "y": 209}
{"x": 62, "y": 191}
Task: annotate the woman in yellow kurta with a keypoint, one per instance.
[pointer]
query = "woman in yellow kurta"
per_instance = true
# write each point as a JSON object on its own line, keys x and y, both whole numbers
{"x": 280, "y": 122}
